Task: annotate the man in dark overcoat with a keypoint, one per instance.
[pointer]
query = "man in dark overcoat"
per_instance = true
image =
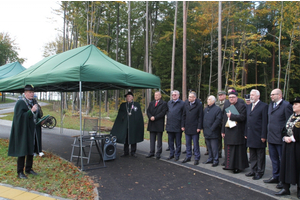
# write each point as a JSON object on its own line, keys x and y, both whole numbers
{"x": 212, "y": 118}
{"x": 256, "y": 134}
{"x": 173, "y": 126}
{"x": 220, "y": 103}
{"x": 234, "y": 139}
{"x": 192, "y": 124}
{"x": 156, "y": 113}
{"x": 278, "y": 113}
{"x": 129, "y": 125}
{"x": 25, "y": 136}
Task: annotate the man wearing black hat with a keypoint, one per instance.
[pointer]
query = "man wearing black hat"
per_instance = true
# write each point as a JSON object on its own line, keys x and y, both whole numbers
{"x": 25, "y": 136}
{"x": 129, "y": 125}
{"x": 247, "y": 99}
{"x": 233, "y": 128}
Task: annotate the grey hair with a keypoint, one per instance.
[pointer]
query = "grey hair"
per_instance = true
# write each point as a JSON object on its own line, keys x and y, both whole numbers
{"x": 194, "y": 93}
{"x": 213, "y": 98}
{"x": 175, "y": 91}
{"x": 256, "y": 91}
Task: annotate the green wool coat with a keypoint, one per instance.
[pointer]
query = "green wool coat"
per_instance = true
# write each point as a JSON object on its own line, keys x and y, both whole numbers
{"x": 22, "y": 141}
{"x": 134, "y": 123}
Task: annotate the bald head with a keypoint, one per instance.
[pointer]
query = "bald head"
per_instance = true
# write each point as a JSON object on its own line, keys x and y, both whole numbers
{"x": 276, "y": 95}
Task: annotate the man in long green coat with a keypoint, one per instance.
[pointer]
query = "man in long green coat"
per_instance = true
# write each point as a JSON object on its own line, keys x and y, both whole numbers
{"x": 129, "y": 125}
{"x": 25, "y": 136}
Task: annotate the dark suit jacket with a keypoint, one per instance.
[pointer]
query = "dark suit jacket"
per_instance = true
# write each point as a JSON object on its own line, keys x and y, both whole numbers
{"x": 235, "y": 135}
{"x": 159, "y": 113}
{"x": 174, "y": 116}
{"x": 277, "y": 118}
{"x": 192, "y": 117}
{"x": 256, "y": 125}
{"x": 212, "y": 118}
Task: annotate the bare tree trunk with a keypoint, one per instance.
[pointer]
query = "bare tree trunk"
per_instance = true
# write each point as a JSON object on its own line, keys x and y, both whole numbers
{"x": 273, "y": 65}
{"x": 233, "y": 63}
{"x": 279, "y": 40}
{"x": 148, "y": 91}
{"x": 184, "y": 94}
{"x": 288, "y": 67}
{"x": 200, "y": 71}
{"x": 173, "y": 49}
{"x": 117, "y": 92}
{"x": 211, "y": 52}
{"x": 220, "y": 48}
{"x": 129, "y": 37}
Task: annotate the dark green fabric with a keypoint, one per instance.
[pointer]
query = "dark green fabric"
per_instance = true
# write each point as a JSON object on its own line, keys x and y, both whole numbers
{"x": 10, "y": 69}
{"x": 62, "y": 72}
{"x": 134, "y": 123}
{"x": 22, "y": 140}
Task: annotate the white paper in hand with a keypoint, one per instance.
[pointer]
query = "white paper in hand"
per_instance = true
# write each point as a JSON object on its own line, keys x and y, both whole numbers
{"x": 231, "y": 123}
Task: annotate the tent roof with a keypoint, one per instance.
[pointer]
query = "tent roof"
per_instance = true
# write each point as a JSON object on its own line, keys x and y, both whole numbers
{"x": 10, "y": 69}
{"x": 64, "y": 71}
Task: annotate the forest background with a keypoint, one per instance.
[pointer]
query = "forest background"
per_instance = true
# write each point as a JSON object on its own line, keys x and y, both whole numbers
{"x": 260, "y": 44}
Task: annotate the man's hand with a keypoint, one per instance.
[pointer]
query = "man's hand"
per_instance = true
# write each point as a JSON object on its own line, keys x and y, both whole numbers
{"x": 152, "y": 118}
{"x": 263, "y": 140}
{"x": 228, "y": 114}
{"x": 198, "y": 130}
{"x": 182, "y": 128}
{"x": 223, "y": 135}
{"x": 287, "y": 139}
{"x": 34, "y": 108}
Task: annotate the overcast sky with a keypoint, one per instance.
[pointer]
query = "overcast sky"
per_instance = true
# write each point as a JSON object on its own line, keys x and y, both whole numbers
{"x": 31, "y": 24}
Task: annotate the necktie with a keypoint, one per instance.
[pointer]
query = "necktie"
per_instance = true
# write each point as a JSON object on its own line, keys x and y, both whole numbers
{"x": 275, "y": 104}
{"x": 156, "y": 103}
{"x": 253, "y": 105}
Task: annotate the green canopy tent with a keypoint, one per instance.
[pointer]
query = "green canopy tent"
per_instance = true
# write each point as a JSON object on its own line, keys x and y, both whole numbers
{"x": 82, "y": 69}
{"x": 63, "y": 72}
{"x": 10, "y": 69}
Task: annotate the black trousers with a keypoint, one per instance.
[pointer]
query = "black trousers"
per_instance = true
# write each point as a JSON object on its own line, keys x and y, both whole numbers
{"x": 159, "y": 143}
{"x": 21, "y": 163}
{"x": 220, "y": 145}
{"x": 126, "y": 146}
{"x": 258, "y": 160}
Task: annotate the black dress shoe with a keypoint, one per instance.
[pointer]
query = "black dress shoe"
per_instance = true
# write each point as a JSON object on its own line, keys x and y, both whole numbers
{"x": 21, "y": 175}
{"x": 223, "y": 164}
{"x": 283, "y": 192}
{"x": 207, "y": 162}
{"x": 196, "y": 162}
{"x": 168, "y": 149}
{"x": 206, "y": 153}
{"x": 124, "y": 155}
{"x": 149, "y": 156}
{"x": 271, "y": 180}
{"x": 215, "y": 164}
{"x": 176, "y": 158}
{"x": 224, "y": 168}
{"x": 169, "y": 158}
{"x": 32, "y": 172}
{"x": 186, "y": 160}
{"x": 250, "y": 174}
{"x": 236, "y": 171}
{"x": 279, "y": 185}
{"x": 257, "y": 177}
{"x": 157, "y": 157}
{"x": 134, "y": 155}
{"x": 184, "y": 152}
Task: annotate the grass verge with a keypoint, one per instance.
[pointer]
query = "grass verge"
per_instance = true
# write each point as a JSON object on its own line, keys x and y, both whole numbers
{"x": 56, "y": 177}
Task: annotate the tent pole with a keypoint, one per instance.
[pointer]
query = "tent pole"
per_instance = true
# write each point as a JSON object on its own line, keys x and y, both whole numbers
{"x": 61, "y": 113}
{"x": 100, "y": 111}
{"x": 80, "y": 117}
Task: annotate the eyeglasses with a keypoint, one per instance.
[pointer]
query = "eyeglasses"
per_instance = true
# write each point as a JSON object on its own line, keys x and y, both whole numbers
{"x": 231, "y": 97}
{"x": 174, "y": 94}
{"x": 273, "y": 95}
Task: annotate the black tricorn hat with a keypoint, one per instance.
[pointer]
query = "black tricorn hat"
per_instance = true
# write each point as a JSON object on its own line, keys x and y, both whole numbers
{"x": 247, "y": 96}
{"x": 296, "y": 100}
{"x": 233, "y": 92}
{"x": 128, "y": 93}
{"x": 29, "y": 88}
